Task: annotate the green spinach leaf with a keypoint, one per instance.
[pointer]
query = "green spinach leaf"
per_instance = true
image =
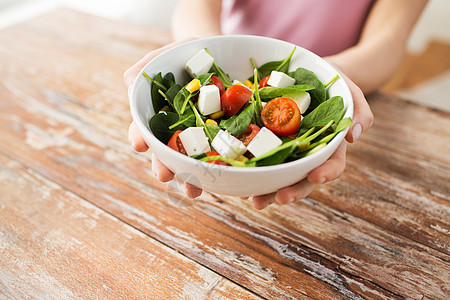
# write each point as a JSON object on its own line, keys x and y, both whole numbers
{"x": 213, "y": 130}
{"x": 301, "y": 140}
{"x": 172, "y": 92}
{"x": 238, "y": 123}
{"x": 344, "y": 123}
{"x": 199, "y": 122}
{"x": 256, "y": 100}
{"x": 160, "y": 123}
{"x": 204, "y": 78}
{"x": 279, "y": 158}
{"x": 319, "y": 93}
{"x": 267, "y": 68}
{"x": 169, "y": 80}
{"x": 186, "y": 118}
{"x": 270, "y": 92}
{"x": 224, "y": 77}
{"x": 179, "y": 100}
{"x": 156, "y": 84}
{"x": 330, "y": 110}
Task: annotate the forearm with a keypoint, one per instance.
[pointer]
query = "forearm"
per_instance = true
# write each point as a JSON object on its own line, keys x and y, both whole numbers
{"x": 371, "y": 64}
{"x": 196, "y": 18}
{"x": 380, "y": 50}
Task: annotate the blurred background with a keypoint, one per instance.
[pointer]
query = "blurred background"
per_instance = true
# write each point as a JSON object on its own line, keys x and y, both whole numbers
{"x": 424, "y": 76}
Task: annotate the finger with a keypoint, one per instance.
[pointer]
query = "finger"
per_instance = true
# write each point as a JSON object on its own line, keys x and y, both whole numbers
{"x": 135, "y": 139}
{"x": 130, "y": 75}
{"x": 362, "y": 114}
{"x": 192, "y": 191}
{"x": 160, "y": 170}
{"x": 332, "y": 168}
{"x": 294, "y": 192}
{"x": 261, "y": 202}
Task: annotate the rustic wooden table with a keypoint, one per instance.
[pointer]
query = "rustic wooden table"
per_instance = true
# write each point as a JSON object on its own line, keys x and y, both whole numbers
{"x": 81, "y": 215}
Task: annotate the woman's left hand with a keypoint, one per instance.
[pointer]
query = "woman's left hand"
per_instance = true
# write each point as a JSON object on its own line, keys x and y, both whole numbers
{"x": 334, "y": 166}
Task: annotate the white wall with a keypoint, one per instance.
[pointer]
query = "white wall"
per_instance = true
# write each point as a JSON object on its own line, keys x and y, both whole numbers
{"x": 146, "y": 12}
{"x": 434, "y": 23}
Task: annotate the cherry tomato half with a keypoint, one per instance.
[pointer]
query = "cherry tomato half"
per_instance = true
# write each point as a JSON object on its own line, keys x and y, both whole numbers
{"x": 217, "y": 162}
{"x": 247, "y": 136}
{"x": 234, "y": 98}
{"x": 175, "y": 142}
{"x": 263, "y": 82}
{"x": 281, "y": 116}
{"x": 217, "y": 82}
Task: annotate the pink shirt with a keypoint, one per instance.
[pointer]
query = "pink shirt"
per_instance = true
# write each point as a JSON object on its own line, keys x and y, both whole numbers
{"x": 325, "y": 27}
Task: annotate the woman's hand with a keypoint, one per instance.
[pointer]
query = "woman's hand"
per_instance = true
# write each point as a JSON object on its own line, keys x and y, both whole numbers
{"x": 134, "y": 136}
{"x": 334, "y": 166}
{"x": 161, "y": 171}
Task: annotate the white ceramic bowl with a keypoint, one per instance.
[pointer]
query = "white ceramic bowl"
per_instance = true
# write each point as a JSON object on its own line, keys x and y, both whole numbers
{"x": 232, "y": 54}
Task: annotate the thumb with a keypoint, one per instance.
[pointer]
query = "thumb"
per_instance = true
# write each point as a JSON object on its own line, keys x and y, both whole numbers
{"x": 362, "y": 114}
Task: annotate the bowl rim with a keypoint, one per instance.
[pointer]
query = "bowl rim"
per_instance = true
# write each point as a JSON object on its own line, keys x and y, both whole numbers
{"x": 147, "y": 134}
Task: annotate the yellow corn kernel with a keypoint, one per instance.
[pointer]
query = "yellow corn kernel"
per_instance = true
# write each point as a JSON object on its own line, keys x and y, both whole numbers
{"x": 165, "y": 108}
{"x": 242, "y": 158}
{"x": 303, "y": 146}
{"x": 211, "y": 122}
{"x": 216, "y": 115}
{"x": 248, "y": 83}
{"x": 193, "y": 86}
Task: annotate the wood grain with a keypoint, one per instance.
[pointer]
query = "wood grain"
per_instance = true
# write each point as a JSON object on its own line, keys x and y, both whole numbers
{"x": 381, "y": 231}
{"x": 56, "y": 245}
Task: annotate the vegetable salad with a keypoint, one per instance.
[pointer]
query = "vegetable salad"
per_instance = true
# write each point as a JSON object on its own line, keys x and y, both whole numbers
{"x": 272, "y": 117}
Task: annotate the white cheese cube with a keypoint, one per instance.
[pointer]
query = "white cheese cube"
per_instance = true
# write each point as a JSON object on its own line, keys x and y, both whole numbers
{"x": 209, "y": 100}
{"x": 228, "y": 146}
{"x": 280, "y": 79}
{"x": 194, "y": 141}
{"x": 199, "y": 64}
{"x": 303, "y": 100}
{"x": 263, "y": 142}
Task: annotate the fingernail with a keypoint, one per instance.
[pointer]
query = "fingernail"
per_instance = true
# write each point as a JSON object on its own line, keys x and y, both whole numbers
{"x": 267, "y": 204}
{"x": 356, "y": 132}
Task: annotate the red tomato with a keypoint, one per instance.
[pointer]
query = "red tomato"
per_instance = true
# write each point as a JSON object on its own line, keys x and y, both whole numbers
{"x": 281, "y": 116}
{"x": 247, "y": 136}
{"x": 175, "y": 142}
{"x": 217, "y": 82}
{"x": 234, "y": 98}
{"x": 263, "y": 82}
{"x": 217, "y": 162}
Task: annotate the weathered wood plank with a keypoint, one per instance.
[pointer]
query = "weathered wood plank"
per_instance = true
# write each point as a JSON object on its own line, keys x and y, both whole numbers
{"x": 55, "y": 245}
{"x": 87, "y": 162}
{"x": 62, "y": 128}
{"x": 409, "y": 129}
{"x": 404, "y": 195}
{"x": 107, "y": 173}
